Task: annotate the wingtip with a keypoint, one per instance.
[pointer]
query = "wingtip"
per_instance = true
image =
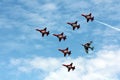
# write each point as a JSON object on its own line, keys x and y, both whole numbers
{"x": 45, "y": 28}
{"x": 36, "y": 29}
{"x": 91, "y": 41}
{"x": 63, "y": 64}
{"x": 68, "y": 22}
{"x": 62, "y": 33}
{"x": 53, "y": 34}
{"x": 82, "y": 44}
{"x": 67, "y": 47}
{"x": 82, "y": 14}
{"x": 59, "y": 49}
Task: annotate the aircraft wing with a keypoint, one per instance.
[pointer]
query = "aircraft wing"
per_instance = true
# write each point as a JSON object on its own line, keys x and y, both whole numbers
{"x": 62, "y": 33}
{"x": 37, "y": 29}
{"x": 87, "y": 20}
{"x": 66, "y": 48}
{"x": 73, "y": 28}
{"x": 68, "y": 69}
{"x": 71, "y": 64}
{"x": 64, "y": 54}
{"x": 90, "y": 14}
{"x": 64, "y": 65}
{"x": 69, "y": 23}
{"x": 86, "y": 49}
{"x": 59, "y": 39}
{"x": 42, "y": 34}
{"x": 45, "y": 28}
{"x": 75, "y": 22}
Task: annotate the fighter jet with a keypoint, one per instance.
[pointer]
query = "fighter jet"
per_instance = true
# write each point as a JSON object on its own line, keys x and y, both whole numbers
{"x": 43, "y": 31}
{"x": 87, "y": 46}
{"x": 60, "y": 36}
{"x": 65, "y": 51}
{"x": 74, "y": 25}
{"x": 69, "y": 66}
{"x": 88, "y": 17}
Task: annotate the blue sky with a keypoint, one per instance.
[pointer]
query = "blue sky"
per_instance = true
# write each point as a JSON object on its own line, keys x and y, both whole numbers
{"x": 24, "y": 54}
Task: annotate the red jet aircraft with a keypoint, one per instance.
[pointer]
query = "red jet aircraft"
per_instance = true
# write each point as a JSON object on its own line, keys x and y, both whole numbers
{"x": 65, "y": 51}
{"x": 88, "y": 17}
{"x": 69, "y": 66}
{"x": 43, "y": 31}
{"x": 74, "y": 25}
{"x": 87, "y": 46}
{"x": 60, "y": 36}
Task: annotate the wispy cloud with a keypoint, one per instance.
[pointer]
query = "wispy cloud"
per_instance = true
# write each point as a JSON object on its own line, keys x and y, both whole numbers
{"x": 25, "y": 65}
{"x": 92, "y": 69}
{"x": 102, "y": 1}
{"x": 105, "y": 63}
{"x": 49, "y": 7}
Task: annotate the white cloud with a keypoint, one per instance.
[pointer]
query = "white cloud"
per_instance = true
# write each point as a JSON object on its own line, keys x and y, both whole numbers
{"x": 45, "y": 64}
{"x": 31, "y": 4}
{"x": 15, "y": 61}
{"x": 49, "y": 6}
{"x": 35, "y": 17}
{"x": 37, "y": 46}
{"x": 102, "y": 1}
{"x": 103, "y": 67}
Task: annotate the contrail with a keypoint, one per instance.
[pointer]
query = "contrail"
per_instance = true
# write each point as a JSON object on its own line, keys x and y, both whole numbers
{"x": 117, "y": 29}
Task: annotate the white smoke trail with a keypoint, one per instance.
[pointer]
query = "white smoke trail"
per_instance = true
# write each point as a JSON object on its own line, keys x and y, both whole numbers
{"x": 117, "y": 29}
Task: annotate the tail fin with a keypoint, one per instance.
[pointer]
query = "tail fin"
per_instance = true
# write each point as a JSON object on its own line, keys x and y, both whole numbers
{"x": 48, "y": 33}
{"x": 92, "y": 48}
{"x": 92, "y": 18}
{"x": 64, "y": 38}
{"x": 69, "y": 53}
{"x": 78, "y": 26}
{"x": 91, "y": 42}
{"x": 73, "y": 68}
